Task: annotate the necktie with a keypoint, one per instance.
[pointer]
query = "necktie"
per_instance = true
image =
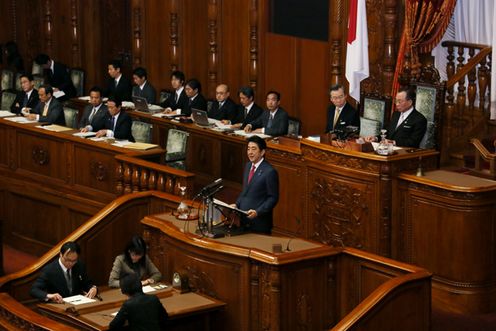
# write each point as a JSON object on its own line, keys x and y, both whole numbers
{"x": 116, "y": 82}
{"x": 68, "y": 279}
{"x": 252, "y": 171}
{"x": 269, "y": 123}
{"x": 25, "y": 101}
{"x": 113, "y": 123}
{"x": 176, "y": 97}
{"x": 337, "y": 112}
{"x": 93, "y": 112}
{"x": 400, "y": 120}
{"x": 45, "y": 110}
{"x": 190, "y": 101}
{"x": 221, "y": 104}
{"x": 246, "y": 112}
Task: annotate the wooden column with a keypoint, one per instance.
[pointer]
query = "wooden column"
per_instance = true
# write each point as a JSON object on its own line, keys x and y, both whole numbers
{"x": 213, "y": 55}
{"x": 75, "y": 32}
{"x": 174, "y": 57}
{"x": 137, "y": 18}
{"x": 336, "y": 51}
{"x": 254, "y": 38}
{"x": 48, "y": 27}
{"x": 389, "y": 54}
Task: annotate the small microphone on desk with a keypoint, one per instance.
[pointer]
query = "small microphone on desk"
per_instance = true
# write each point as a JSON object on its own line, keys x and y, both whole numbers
{"x": 287, "y": 246}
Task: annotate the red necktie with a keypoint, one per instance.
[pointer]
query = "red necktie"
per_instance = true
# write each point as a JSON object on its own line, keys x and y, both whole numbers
{"x": 252, "y": 171}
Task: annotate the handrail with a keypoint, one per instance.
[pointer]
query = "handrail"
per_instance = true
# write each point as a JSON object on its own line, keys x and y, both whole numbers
{"x": 379, "y": 294}
{"x": 463, "y": 71}
{"x": 449, "y": 43}
{"x": 488, "y": 156}
{"x": 154, "y": 166}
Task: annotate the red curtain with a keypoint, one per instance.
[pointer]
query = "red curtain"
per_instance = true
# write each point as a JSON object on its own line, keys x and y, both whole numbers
{"x": 426, "y": 22}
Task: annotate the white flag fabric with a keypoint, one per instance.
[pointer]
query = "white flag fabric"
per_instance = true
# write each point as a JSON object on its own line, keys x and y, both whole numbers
{"x": 357, "y": 53}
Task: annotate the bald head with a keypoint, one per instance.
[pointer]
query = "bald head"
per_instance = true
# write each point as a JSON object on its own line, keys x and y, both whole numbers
{"x": 222, "y": 92}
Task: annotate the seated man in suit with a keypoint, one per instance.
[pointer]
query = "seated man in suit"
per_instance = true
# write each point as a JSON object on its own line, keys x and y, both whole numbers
{"x": 340, "y": 114}
{"x": 195, "y": 98}
{"x": 407, "y": 126}
{"x": 224, "y": 108}
{"x": 141, "y": 311}
{"x": 260, "y": 189}
{"x": 118, "y": 124}
{"x": 49, "y": 110}
{"x": 178, "y": 100}
{"x": 26, "y": 99}
{"x": 273, "y": 122}
{"x": 95, "y": 114}
{"x": 118, "y": 86}
{"x": 249, "y": 110}
{"x": 143, "y": 88}
{"x": 57, "y": 75}
{"x": 64, "y": 277}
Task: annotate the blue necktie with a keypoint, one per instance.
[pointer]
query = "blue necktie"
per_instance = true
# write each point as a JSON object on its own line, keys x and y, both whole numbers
{"x": 269, "y": 123}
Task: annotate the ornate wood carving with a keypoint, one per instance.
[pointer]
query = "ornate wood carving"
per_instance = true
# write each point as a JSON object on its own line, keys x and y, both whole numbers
{"x": 120, "y": 179}
{"x": 98, "y": 170}
{"x": 304, "y": 311}
{"x": 200, "y": 281}
{"x": 212, "y": 32}
{"x": 342, "y": 160}
{"x": 336, "y": 50}
{"x": 76, "y": 53}
{"x": 137, "y": 32}
{"x": 40, "y": 155}
{"x": 48, "y": 26}
{"x": 254, "y": 43}
{"x": 337, "y": 212}
{"x": 174, "y": 40}
{"x": 389, "y": 54}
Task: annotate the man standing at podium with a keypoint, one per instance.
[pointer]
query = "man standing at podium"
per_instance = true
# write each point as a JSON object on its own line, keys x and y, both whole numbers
{"x": 260, "y": 189}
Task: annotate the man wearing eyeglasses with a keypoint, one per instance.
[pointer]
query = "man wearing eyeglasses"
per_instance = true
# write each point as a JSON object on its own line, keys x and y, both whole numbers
{"x": 64, "y": 277}
{"x": 340, "y": 114}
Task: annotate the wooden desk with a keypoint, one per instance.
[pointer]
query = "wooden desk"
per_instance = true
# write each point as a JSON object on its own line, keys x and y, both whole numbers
{"x": 98, "y": 315}
{"x": 446, "y": 223}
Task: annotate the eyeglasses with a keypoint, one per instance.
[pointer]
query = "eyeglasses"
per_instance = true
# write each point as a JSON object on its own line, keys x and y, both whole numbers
{"x": 399, "y": 101}
{"x": 337, "y": 97}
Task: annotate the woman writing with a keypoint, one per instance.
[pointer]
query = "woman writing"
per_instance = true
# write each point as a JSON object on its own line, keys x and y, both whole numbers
{"x": 134, "y": 260}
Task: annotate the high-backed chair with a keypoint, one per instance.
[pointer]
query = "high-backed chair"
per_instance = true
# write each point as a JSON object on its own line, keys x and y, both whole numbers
{"x": 36, "y": 69}
{"x": 164, "y": 95}
{"x": 375, "y": 111}
{"x": 17, "y": 83}
{"x": 77, "y": 77}
{"x": 142, "y": 132}
{"x": 294, "y": 126}
{"x": 71, "y": 117}
{"x": 8, "y": 99}
{"x": 38, "y": 81}
{"x": 7, "y": 80}
{"x": 176, "y": 148}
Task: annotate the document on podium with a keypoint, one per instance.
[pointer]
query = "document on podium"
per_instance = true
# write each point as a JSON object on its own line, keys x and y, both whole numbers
{"x": 78, "y": 300}
{"x": 228, "y": 206}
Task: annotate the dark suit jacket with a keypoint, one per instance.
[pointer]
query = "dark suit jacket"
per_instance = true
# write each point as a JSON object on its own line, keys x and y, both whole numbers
{"x": 19, "y": 101}
{"x": 261, "y": 194}
{"x": 254, "y": 113}
{"x": 55, "y": 112}
{"x": 411, "y": 130}
{"x": 98, "y": 120}
{"x": 348, "y": 116}
{"x": 199, "y": 102}
{"x": 142, "y": 312}
{"x": 228, "y": 111}
{"x": 121, "y": 91}
{"x": 52, "y": 280}
{"x": 148, "y": 92}
{"x": 122, "y": 127}
{"x": 61, "y": 79}
{"x": 174, "y": 103}
{"x": 279, "y": 125}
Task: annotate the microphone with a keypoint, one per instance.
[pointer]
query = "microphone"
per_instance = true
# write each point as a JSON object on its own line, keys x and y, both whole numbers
{"x": 210, "y": 189}
{"x": 287, "y": 246}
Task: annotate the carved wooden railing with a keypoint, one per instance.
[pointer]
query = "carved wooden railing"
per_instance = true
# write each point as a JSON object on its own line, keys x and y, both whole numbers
{"x": 467, "y": 108}
{"x": 481, "y": 153}
{"x": 15, "y": 316}
{"x": 136, "y": 175}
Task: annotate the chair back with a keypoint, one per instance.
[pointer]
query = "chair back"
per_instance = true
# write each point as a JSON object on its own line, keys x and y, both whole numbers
{"x": 369, "y": 127}
{"x": 294, "y": 127}
{"x": 164, "y": 95}
{"x": 77, "y": 77}
{"x": 8, "y": 99}
{"x": 17, "y": 84}
{"x": 38, "y": 81}
{"x": 71, "y": 117}
{"x": 376, "y": 108}
{"x": 176, "y": 148}
{"x": 142, "y": 132}
{"x": 7, "y": 80}
{"x": 36, "y": 69}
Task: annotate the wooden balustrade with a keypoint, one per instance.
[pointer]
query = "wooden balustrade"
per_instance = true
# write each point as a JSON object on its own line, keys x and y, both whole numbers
{"x": 468, "y": 71}
{"x": 135, "y": 175}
